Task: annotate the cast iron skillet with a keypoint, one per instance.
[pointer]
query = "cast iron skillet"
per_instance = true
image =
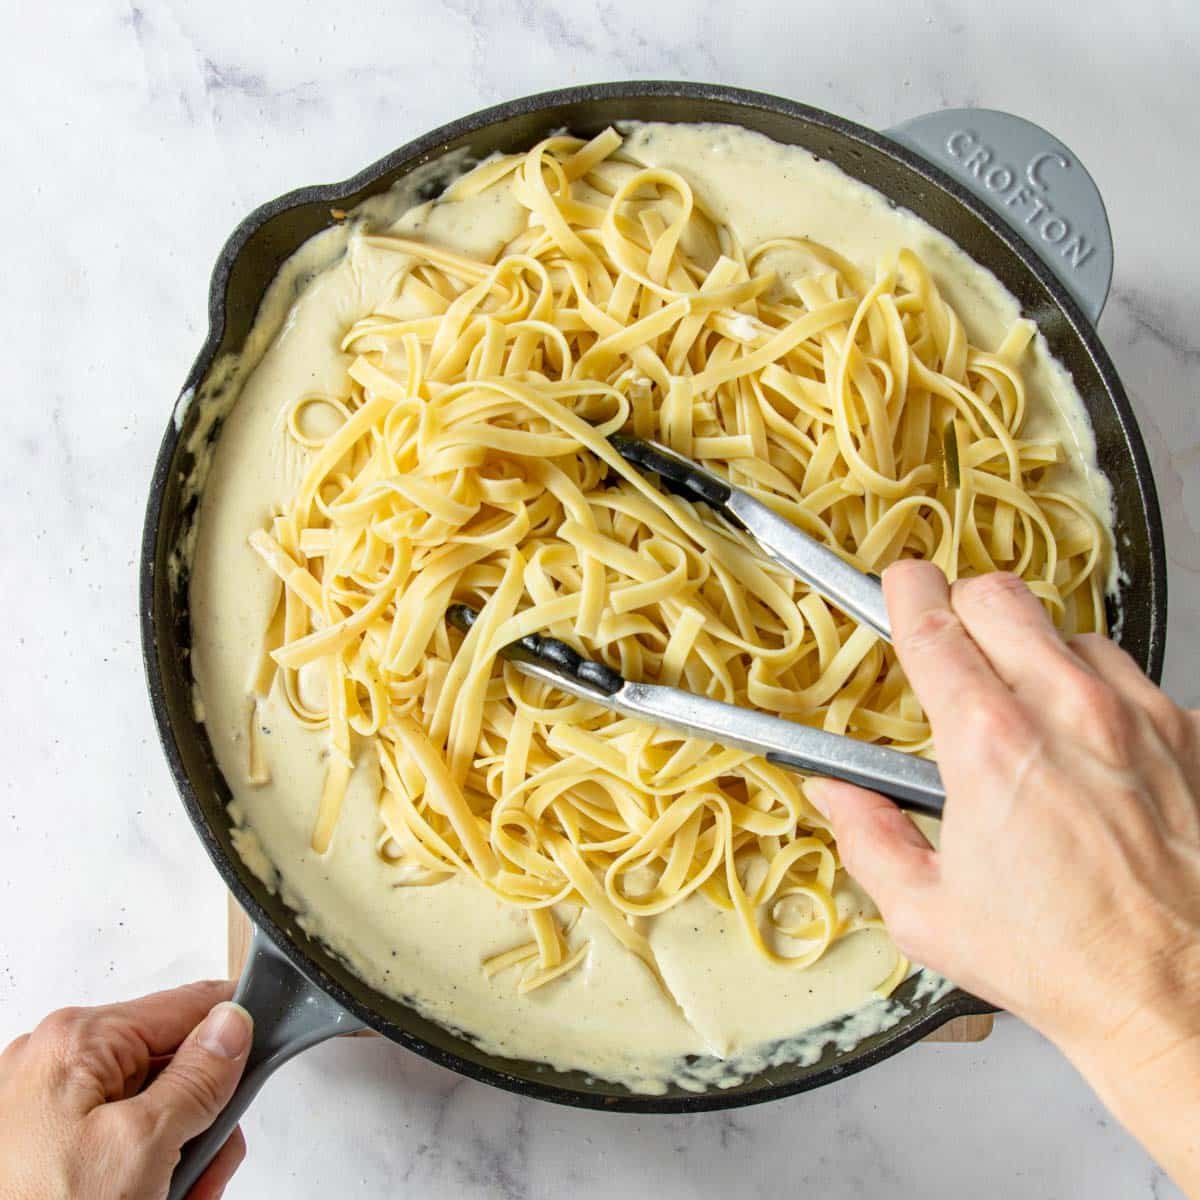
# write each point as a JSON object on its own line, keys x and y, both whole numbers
{"x": 994, "y": 173}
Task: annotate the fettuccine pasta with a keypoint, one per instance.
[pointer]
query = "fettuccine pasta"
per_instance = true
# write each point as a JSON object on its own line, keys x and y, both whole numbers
{"x": 465, "y": 460}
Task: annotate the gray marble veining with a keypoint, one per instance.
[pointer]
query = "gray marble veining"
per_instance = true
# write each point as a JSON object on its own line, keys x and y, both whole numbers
{"x": 136, "y": 135}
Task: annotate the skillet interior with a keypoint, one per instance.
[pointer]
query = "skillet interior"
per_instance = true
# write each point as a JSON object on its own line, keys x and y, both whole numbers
{"x": 249, "y": 262}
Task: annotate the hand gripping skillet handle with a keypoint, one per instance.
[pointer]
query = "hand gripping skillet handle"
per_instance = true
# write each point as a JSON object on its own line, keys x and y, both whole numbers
{"x": 290, "y": 1014}
{"x": 1032, "y": 182}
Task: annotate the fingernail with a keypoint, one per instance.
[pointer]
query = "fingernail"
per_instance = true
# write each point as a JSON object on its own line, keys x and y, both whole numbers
{"x": 226, "y": 1031}
{"x": 814, "y": 790}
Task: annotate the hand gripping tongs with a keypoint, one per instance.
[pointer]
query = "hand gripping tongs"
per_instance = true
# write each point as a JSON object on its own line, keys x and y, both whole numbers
{"x": 913, "y": 782}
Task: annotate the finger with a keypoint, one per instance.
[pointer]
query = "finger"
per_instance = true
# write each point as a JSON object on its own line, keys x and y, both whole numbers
{"x": 198, "y": 1082}
{"x": 1012, "y": 629}
{"x": 1178, "y": 729}
{"x": 102, "y": 1054}
{"x": 211, "y": 1185}
{"x": 1114, "y": 666}
{"x": 880, "y": 847}
{"x": 163, "y": 1019}
{"x": 947, "y": 671}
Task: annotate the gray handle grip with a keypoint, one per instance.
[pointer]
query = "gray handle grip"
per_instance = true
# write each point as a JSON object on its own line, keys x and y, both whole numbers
{"x": 290, "y": 1014}
{"x": 1034, "y": 183}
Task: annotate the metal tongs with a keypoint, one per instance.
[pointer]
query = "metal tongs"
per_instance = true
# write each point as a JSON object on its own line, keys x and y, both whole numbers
{"x": 911, "y": 781}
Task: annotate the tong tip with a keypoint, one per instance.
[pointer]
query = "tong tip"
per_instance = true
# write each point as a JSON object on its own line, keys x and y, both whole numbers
{"x": 462, "y": 616}
{"x": 549, "y": 653}
{"x": 678, "y": 474}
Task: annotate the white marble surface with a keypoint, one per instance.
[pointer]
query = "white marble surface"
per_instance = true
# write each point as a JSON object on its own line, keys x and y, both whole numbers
{"x": 135, "y": 137}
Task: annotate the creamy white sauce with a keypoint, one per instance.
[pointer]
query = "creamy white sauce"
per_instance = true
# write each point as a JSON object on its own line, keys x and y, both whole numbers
{"x": 728, "y": 1006}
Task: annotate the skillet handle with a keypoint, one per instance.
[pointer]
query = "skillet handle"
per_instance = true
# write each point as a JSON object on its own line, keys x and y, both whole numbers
{"x": 290, "y": 1014}
{"x": 1032, "y": 182}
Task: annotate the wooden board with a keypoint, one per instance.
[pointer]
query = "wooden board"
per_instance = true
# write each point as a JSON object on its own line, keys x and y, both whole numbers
{"x": 962, "y": 1029}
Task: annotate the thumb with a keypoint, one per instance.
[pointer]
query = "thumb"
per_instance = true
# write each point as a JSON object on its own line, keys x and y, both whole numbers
{"x": 199, "y": 1080}
{"x": 880, "y": 847}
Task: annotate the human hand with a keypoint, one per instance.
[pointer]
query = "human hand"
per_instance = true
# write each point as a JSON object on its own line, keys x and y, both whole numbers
{"x": 74, "y": 1121}
{"x": 1067, "y": 884}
